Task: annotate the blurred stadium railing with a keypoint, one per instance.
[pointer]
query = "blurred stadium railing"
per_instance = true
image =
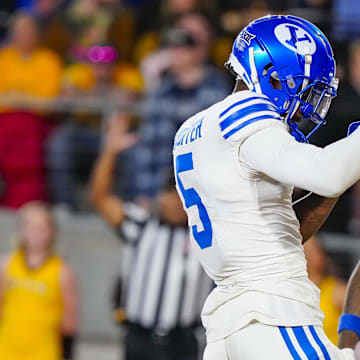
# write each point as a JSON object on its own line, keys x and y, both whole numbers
{"x": 69, "y": 104}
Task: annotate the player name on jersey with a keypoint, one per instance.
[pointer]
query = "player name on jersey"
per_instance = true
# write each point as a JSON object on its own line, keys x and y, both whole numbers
{"x": 189, "y": 134}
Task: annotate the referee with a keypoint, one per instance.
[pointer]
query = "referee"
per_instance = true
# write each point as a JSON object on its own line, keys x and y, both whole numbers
{"x": 163, "y": 285}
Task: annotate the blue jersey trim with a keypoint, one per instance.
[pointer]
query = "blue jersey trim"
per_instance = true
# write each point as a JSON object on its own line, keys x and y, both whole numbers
{"x": 305, "y": 344}
{"x": 237, "y": 115}
{"x": 245, "y": 123}
{"x": 289, "y": 344}
{"x": 240, "y": 103}
{"x": 319, "y": 342}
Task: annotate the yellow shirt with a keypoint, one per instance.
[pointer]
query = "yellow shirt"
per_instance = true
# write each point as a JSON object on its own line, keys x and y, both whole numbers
{"x": 31, "y": 310}
{"x": 39, "y": 74}
{"x": 332, "y": 313}
{"x": 81, "y": 76}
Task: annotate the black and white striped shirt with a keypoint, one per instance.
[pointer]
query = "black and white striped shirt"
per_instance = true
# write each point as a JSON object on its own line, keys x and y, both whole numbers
{"x": 163, "y": 283}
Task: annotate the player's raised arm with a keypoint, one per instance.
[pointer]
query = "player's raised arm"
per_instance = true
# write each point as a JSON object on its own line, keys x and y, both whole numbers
{"x": 117, "y": 140}
{"x": 349, "y": 326}
{"x": 325, "y": 171}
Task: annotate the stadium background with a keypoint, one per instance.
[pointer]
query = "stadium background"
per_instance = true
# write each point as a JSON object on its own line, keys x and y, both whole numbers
{"x": 110, "y": 56}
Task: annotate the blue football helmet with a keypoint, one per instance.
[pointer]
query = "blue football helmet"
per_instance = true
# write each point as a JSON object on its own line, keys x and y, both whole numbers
{"x": 291, "y": 61}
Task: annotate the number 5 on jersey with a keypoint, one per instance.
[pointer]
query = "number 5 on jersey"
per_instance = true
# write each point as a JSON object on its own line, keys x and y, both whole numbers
{"x": 184, "y": 163}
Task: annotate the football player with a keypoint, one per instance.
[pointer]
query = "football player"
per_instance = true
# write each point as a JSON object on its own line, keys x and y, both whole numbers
{"x": 236, "y": 165}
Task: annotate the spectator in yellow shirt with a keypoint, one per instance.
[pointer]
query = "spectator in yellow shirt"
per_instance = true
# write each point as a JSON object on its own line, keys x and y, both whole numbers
{"x": 27, "y": 70}
{"x": 38, "y": 293}
{"x": 26, "y": 67}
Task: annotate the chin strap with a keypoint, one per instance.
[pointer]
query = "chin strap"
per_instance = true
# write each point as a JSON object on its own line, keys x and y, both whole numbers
{"x": 308, "y": 61}
{"x": 295, "y": 132}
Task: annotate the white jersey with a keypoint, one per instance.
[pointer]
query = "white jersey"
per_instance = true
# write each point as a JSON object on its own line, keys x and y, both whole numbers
{"x": 242, "y": 222}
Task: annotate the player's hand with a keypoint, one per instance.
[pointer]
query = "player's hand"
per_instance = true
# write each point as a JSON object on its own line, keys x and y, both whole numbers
{"x": 353, "y": 126}
{"x": 118, "y": 137}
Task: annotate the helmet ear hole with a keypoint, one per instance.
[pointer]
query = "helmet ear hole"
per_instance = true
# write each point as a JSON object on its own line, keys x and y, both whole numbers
{"x": 274, "y": 81}
{"x": 266, "y": 69}
{"x": 273, "y": 78}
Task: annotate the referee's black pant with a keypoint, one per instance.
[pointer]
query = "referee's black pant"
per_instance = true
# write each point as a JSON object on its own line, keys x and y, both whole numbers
{"x": 144, "y": 344}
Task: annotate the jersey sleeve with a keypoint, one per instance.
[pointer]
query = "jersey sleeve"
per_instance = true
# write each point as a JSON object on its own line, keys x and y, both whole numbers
{"x": 245, "y": 113}
{"x": 325, "y": 171}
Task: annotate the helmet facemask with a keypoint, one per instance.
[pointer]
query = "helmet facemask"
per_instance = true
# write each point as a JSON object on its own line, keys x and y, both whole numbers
{"x": 313, "y": 102}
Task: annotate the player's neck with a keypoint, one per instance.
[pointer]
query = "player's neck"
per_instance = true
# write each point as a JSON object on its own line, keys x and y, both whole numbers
{"x": 239, "y": 86}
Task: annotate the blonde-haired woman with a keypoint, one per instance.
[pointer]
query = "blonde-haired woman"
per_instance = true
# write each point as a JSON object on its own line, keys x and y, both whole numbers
{"x": 38, "y": 293}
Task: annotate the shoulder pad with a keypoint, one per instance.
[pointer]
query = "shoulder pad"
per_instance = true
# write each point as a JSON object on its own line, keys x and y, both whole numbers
{"x": 242, "y": 110}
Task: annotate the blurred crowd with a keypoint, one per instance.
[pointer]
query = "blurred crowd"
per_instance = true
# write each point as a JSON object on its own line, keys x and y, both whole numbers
{"x": 70, "y": 68}
{"x": 68, "y": 65}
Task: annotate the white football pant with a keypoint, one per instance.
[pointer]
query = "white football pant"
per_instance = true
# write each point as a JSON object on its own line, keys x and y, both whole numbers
{"x": 259, "y": 342}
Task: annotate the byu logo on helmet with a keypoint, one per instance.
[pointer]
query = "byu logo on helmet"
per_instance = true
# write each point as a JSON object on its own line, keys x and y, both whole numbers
{"x": 295, "y": 38}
